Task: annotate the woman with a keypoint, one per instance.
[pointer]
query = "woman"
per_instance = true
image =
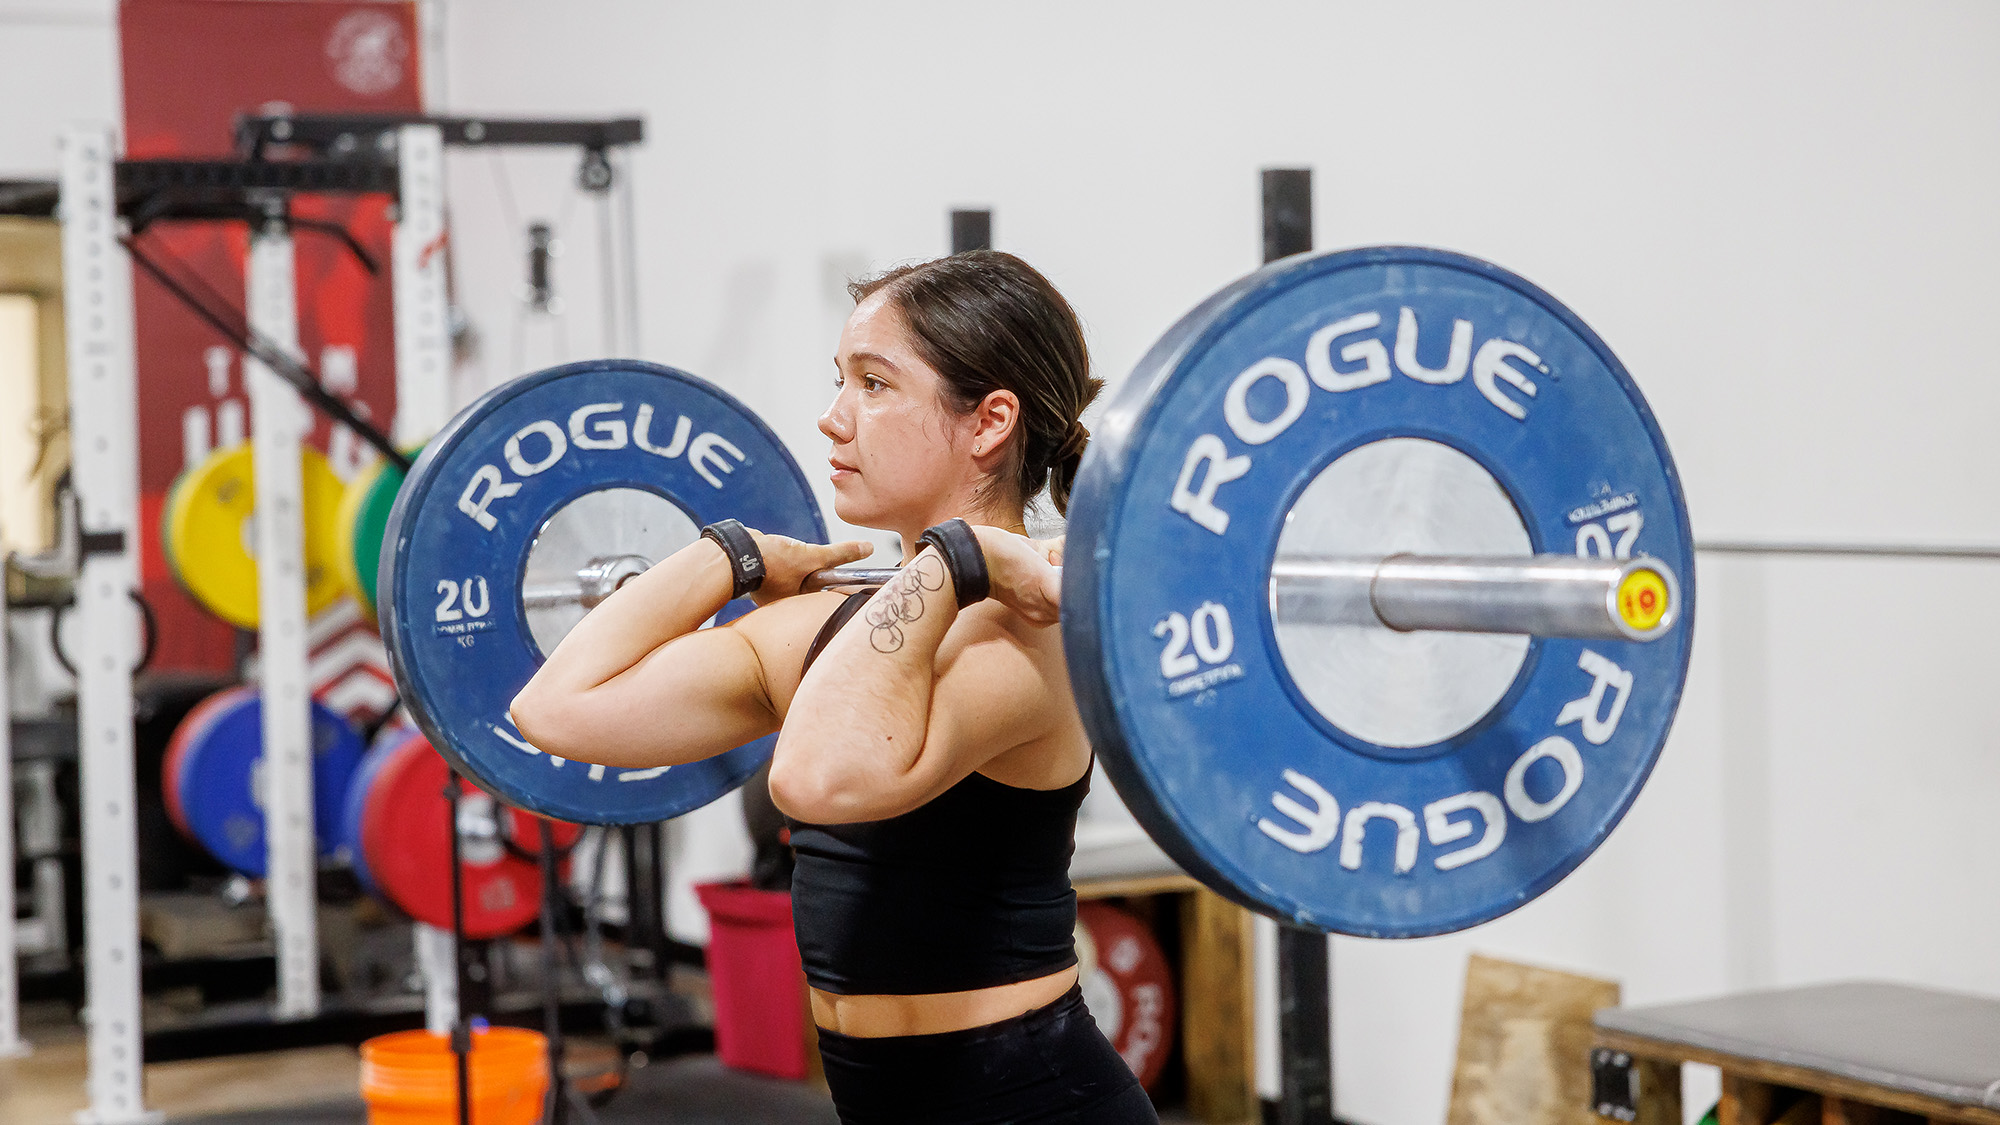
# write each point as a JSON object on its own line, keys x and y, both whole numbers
{"x": 930, "y": 756}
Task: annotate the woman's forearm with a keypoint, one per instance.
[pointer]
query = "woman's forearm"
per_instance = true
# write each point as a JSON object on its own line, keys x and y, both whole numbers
{"x": 856, "y": 730}
{"x": 669, "y": 600}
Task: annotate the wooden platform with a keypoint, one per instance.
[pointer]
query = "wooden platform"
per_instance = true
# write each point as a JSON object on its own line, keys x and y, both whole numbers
{"x": 1855, "y": 1053}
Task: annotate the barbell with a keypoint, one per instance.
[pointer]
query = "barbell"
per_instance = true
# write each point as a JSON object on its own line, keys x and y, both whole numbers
{"x": 1375, "y": 594}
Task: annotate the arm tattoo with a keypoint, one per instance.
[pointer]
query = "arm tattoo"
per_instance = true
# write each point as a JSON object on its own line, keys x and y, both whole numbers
{"x": 901, "y": 602}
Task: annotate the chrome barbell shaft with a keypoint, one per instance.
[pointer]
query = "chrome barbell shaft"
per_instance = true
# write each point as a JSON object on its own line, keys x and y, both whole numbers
{"x": 1540, "y": 595}
{"x": 849, "y": 578}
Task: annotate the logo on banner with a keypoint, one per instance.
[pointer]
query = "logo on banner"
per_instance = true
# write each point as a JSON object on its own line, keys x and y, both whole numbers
{"x": 367, "y": 51}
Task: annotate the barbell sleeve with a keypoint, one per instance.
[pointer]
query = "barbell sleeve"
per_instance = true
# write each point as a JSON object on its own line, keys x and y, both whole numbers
{"x": 1540, "y": 595}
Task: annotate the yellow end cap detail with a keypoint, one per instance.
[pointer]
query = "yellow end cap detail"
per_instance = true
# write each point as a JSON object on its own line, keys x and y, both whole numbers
{"x": 1642, "y": 599}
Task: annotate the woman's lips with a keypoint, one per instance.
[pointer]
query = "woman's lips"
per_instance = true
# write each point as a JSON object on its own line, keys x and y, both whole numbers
{"x": 840, "y": 472}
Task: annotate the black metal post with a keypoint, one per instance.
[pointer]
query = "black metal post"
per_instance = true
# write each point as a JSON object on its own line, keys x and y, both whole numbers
{"x": 646, "y": 910}
{"x": 461, "y": 1027}
{"x": 1305, "y": 992}
{"x": 971, "y": 230}
{"x": 1305, "y": 1028}
{"x": 1288, "y": 214}
{"x": 555, "y": 1110}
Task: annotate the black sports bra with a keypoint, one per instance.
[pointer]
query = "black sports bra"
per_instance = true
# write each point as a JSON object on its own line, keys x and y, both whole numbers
{"x": 967, "y": 891}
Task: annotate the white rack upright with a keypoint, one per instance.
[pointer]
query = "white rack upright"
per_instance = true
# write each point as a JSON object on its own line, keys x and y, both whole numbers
{"x": 104, "y": 443}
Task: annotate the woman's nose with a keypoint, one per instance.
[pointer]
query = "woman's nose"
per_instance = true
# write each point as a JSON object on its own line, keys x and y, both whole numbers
{"x": 835, "y": 423}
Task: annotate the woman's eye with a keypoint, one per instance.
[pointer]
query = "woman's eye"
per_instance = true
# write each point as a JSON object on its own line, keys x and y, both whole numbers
{"x": 871, "y": 383}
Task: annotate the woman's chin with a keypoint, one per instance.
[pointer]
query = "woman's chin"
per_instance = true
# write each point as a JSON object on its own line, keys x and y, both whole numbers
{"x": 855, "y": 513}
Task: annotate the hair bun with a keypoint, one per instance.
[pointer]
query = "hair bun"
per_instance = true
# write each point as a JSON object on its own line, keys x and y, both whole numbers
{"x": 1073, "y": 443}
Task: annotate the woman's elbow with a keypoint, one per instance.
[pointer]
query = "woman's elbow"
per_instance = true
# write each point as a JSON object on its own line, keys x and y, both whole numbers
{"x": 793, "y": 795}
{"x": 534, "y": 714}
{"x": 808, "y": 796}
{"x": 820, "y": 796}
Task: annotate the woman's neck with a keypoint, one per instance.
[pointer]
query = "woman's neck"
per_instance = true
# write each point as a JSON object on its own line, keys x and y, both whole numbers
{"x": 1005, "y": 517}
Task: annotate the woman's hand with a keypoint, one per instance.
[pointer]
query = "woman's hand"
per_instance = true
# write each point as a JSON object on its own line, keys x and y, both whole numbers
{"x": 789, "y": 562}
{"x": 1024, "y": 574}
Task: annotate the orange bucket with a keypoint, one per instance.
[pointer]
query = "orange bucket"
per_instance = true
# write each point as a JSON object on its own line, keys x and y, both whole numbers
{"x": 411, "y": 1078}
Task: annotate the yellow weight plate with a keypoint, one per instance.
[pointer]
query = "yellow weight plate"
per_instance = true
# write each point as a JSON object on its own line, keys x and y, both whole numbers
{"x": 210, "y": 534}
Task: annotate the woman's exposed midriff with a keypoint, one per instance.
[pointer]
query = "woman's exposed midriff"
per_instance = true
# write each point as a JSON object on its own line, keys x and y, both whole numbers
{"x": 875, "y": 1017}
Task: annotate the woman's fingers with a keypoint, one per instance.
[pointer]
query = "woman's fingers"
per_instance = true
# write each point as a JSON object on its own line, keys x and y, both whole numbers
{"x": 788, "y": 562}
{"x": 849, "y": 551}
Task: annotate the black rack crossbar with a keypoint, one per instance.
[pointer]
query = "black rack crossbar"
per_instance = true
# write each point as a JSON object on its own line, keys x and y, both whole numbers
{"x": 31, "y": 198}
{"x": 326, "y": 177}
{"x": 361, "y": 133}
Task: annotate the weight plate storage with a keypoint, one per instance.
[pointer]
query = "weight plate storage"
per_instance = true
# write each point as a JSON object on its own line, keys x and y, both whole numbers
{"x": 213, "y": 777}
{"x": 1129, "y": 985}
{"x": 362, "y": 519}
{"x": 405, "y": 851}
{"x": 207, "y": 529}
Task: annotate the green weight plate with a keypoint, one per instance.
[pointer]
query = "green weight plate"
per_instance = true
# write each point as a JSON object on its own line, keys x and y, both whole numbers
{"x": 363, "y": 516}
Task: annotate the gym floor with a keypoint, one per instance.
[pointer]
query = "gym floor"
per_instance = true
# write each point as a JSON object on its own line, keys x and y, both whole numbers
{"x": 317, "y": 1086}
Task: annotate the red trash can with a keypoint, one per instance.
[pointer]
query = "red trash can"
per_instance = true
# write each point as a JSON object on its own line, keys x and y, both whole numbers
{"x": 754, "y": 972}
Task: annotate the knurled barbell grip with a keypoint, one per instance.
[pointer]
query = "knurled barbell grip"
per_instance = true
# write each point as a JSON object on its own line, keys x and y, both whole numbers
{"x": 848, "y": 578}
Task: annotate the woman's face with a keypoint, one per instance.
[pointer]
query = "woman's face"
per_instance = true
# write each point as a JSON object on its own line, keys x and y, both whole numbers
{"x": 900, "y": 455}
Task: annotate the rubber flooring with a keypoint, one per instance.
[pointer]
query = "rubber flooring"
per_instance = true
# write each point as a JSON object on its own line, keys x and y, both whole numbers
{"x": 695, "y": 1090}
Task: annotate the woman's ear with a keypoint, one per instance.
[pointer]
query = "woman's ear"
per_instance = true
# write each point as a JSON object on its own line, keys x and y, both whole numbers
{"x": 993, "y": 422}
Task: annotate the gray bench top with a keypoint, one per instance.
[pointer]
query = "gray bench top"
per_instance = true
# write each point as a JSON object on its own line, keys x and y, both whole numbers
{"x": 1940, "y": 1044}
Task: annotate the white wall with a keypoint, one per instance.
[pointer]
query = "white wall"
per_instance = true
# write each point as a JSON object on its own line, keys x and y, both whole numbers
{"x": 1777, "y": 212}
{"x": 58, "y": 66}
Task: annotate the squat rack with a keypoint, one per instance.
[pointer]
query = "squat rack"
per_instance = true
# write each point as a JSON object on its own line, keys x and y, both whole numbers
{"x": 95, "y": 191}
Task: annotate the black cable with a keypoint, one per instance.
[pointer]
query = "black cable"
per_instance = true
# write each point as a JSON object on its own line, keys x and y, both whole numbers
{"x": 375, "y": 725}
{"x": 302, "y": 378}
{"x": 339, "y": 233}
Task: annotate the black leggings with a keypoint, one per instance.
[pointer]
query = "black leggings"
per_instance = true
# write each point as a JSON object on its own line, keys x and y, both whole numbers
{"x": 1050, "y": 1066}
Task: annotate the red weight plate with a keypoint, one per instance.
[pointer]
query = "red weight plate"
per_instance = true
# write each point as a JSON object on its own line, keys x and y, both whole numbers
{"x": 1129, "y": 987}
{"x": 408, "y": 854}
{"x": 190, "y": 730}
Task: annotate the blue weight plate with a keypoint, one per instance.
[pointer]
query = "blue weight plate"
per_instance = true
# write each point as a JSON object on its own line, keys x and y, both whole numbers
{"x": 348, "y": 845}
{"x": 468, "y": 517}
{"x": 221, "y": 795}
{"x": 1225, "y": 761}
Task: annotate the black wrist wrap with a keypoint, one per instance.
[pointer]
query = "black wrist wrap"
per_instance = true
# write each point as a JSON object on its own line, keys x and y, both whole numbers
{"x": 962, "y": 556}
{"x": 746, "y": 562}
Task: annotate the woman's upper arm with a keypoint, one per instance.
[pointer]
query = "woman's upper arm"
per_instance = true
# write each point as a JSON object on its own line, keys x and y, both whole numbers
{"x": 990, "y": 697}
{"x": 696, "y": 696}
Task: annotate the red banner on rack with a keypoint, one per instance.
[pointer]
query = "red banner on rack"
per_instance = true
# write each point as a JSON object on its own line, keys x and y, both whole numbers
{"x": 190, "y": 68}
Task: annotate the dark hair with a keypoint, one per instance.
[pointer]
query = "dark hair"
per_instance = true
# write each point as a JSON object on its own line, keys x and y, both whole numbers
{"x": 987, "y": 321}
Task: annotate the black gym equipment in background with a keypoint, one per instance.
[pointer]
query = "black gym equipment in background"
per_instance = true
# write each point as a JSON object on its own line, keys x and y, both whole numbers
{"x": 1305, "y": 998}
